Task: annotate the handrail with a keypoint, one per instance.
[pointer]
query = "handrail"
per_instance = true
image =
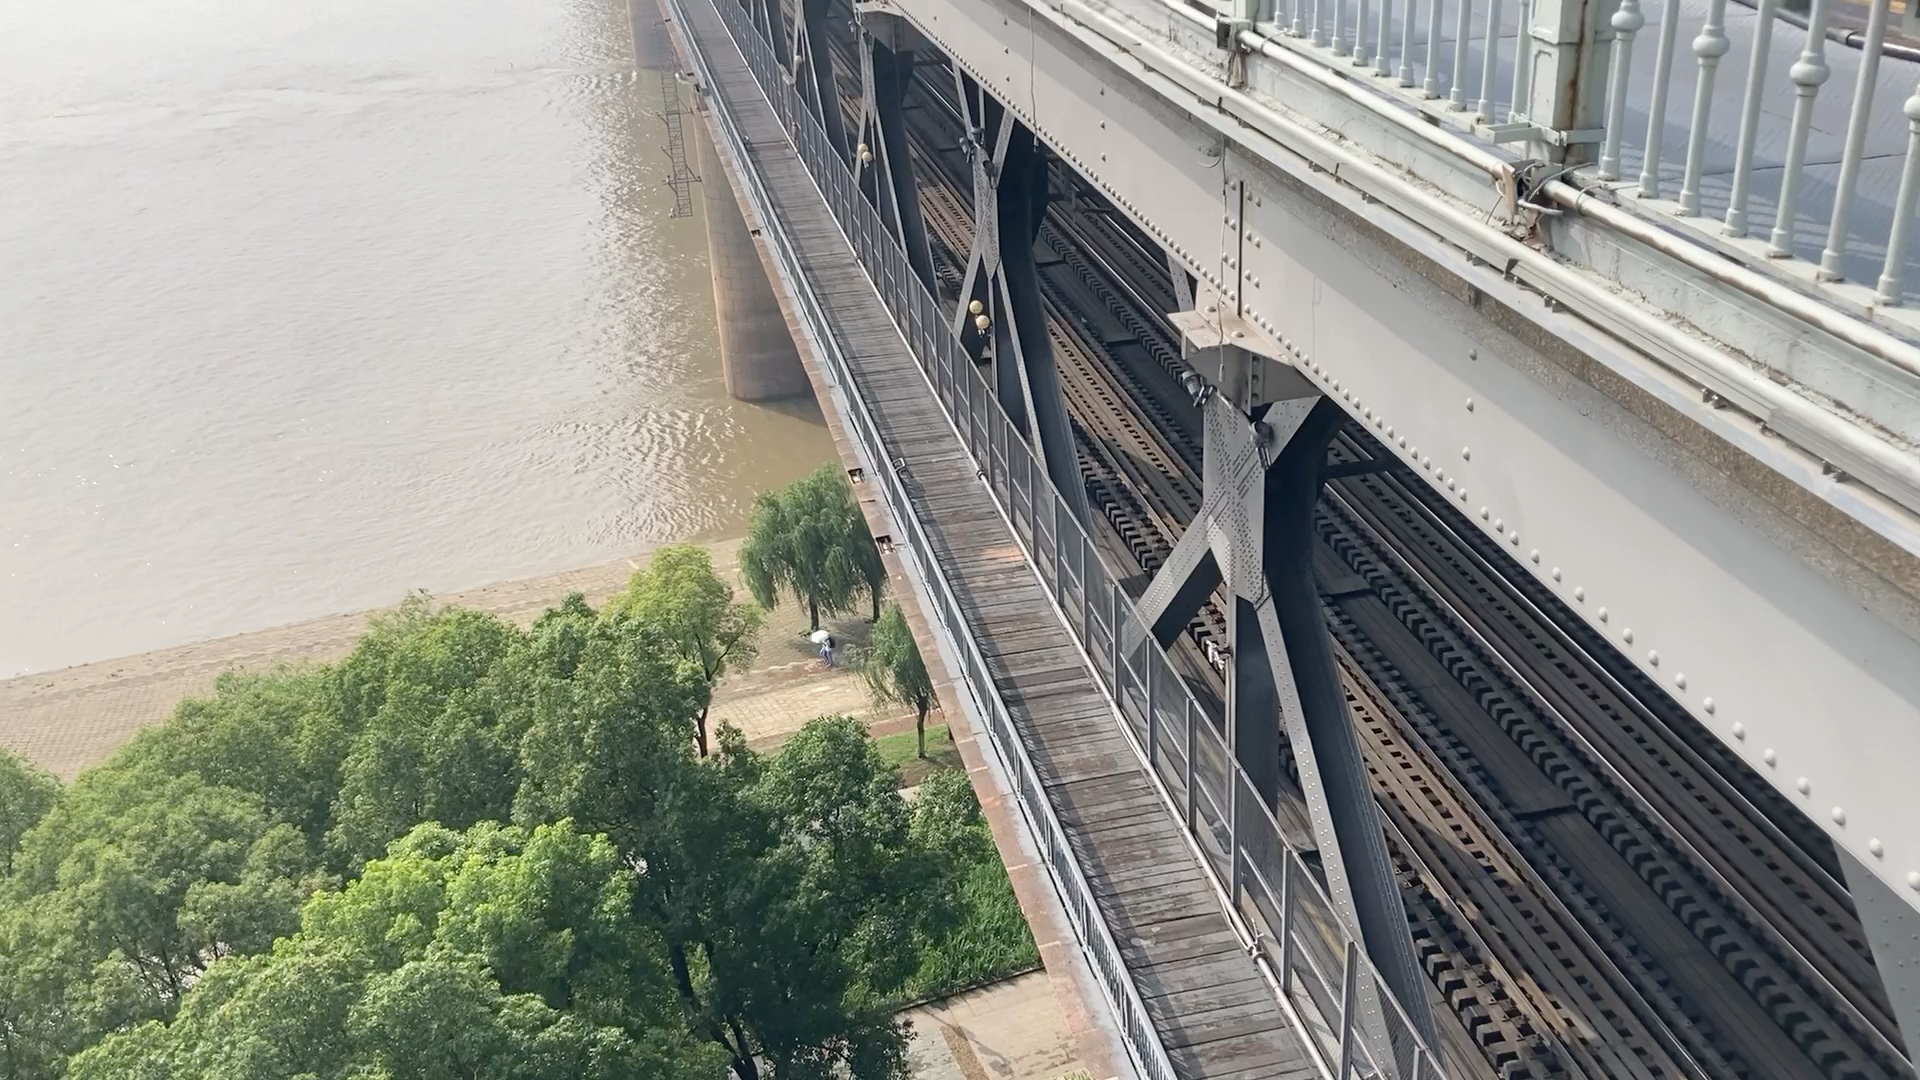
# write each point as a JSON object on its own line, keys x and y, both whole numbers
{"x": 1300, "y": 940}
{"x": 1148, "y": 1054}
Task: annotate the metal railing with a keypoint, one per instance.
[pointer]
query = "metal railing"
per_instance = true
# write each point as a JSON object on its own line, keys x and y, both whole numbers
{"x": 1669, "y": 107}
{"x": 1321, "y": 974}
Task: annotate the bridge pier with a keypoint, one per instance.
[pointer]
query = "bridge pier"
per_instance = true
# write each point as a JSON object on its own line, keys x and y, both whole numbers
{"x": 758, "y": 361}
{"x": 1267, "y": 430}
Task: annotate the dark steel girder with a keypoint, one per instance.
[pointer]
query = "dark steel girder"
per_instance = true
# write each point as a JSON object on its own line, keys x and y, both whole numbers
{"x": 1002, "y": 286}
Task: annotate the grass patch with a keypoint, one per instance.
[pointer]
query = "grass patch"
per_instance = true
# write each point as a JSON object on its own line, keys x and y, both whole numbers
{"x": 991, "y": 942}
{"x": 898, "y": 751}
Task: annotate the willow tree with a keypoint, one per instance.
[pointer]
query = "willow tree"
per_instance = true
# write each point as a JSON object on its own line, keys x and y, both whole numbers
{"x": 895, "y": 673}
{"x": 809, "y": 540}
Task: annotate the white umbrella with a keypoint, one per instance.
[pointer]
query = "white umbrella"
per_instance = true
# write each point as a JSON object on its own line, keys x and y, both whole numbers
{"x": 819, "y": 637}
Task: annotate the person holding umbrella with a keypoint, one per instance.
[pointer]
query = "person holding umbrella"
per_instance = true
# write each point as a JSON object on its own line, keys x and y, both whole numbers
{"x": 825, "y": 640}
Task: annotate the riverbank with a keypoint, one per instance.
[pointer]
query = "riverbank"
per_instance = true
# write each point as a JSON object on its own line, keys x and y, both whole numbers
{"x": 69, "y": 719}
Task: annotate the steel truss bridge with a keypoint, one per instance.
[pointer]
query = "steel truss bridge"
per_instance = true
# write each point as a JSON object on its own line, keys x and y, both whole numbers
{"x": 1418, "y": 503}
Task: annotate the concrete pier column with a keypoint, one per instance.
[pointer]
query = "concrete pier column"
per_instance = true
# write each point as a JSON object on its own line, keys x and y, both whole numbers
{"x": 757, "y": 355}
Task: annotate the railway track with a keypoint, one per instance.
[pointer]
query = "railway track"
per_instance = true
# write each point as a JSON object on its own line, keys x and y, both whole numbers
{"x": 1595, "y": 886}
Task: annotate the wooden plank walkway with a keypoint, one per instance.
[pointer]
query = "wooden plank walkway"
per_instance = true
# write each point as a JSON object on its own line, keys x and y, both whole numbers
{"x": 1215, "y": 1014}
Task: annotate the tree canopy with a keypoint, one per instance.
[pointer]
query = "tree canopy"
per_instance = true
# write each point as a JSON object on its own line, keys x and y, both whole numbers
{"x": 680, "y": 597}
{"x": 497, "y": 952}
{"x": 472, "y": 849}
{"x": 27, "y": 792}
{"x": 809, "y": 540}
{"x": 894, "y": 672}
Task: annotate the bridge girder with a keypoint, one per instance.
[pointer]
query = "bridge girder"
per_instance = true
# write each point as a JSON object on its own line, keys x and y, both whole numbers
{"x": 1679, "y": 530}
{"x": 1254, "y": 534}
{"x": 1000, "y": 311}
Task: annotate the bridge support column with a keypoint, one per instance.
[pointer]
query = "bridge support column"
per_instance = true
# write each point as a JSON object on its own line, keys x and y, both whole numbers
{"x": 1893, "y": 932}
{"x": 1000, "y": 302}
{"x": 1263, "y": 473}
{"x": 758, "y": 360}
{"x": 881, "y": 160}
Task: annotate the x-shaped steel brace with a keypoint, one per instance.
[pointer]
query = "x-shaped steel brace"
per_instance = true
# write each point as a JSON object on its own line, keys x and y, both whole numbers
{"x": 882, "y": 165}
{"x": 1255, "y": 534}
{"x": 1000, "y": 302}
{"x": 812, "y": 70}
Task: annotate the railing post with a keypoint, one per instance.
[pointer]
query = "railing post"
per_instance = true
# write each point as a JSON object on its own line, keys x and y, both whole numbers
{"x": 1657, "y": 111}
{"x": 1153, "y": 727}
{"x": 1708, "y": 48}
{"x": 1565, "y": 48}
{"x": 1845, "y": 187}
{"x": 1350, "y": 971}
{"x": 1192, "y": 772}
{"x": 1893, "y": 276}
{"x": 1233, "y": 842}
{"x": 1146, "y": 684}
{"x": 1113, "y": 637}
{"x": 1286, "y": 923}
{"x": 1808, "y": 73}
{"x": 1627, "y": 21}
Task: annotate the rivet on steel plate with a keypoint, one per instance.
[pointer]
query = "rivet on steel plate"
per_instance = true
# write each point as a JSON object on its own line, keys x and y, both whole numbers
{"x": 1441, "y": 474}
{"x": 1769, "y": 756}
{"x": 1603, "y": 614}
{"x": 1514, "y": 538}
{"x": 1466, "y": 453}
{"x": 1739, "y": 730}
{"x": 1802, "y": 786}
{"x": 1499, "y": 525}
{"x": 1483, "y": 513}
{"x": 1627, "y": 635}
{"x": 1913, "y": 879}
{"x": 1579, "y": 592}
{"x": 1463, "y": 494}
{"x": 1709, "y": 706}
{"x": 1876, "y": 848}
{"x": 1534, "y": 554}
{"x": 1473, "y": 354}
{"x": 1556, "y": 573}
{"x": 1839, "y": 816}
{"x": 1653, "y": 657}
{"x": 1680, "y": 680}
{"x": 1469, "y": 404}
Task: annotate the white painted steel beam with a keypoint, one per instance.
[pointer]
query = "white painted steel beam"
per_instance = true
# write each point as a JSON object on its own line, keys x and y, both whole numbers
{"x": 1789, "y": 651}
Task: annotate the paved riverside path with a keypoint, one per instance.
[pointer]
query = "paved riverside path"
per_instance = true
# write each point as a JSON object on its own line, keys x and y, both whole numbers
{"x": 1213, "y": 1010}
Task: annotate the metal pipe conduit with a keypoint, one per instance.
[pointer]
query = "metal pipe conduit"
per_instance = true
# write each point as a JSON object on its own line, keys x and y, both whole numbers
{"x": 1875, "y": 461}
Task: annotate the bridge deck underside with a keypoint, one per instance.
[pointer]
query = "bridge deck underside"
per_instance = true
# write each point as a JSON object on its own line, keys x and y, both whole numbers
{"x": 1213, "y": 1010}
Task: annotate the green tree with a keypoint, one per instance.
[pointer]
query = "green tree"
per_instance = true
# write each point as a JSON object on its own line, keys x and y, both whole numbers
{"x": 809, "y": 539}
{"x": 788, "y": 892}
{"x": 27, "y": 792}
{"x": 895, "y": 673}
{"x": 496, "y": 953}
{"x": 679, "y": 596}
{"x": 274, "y": 735}
{"x": 442, "y": 740}
{"x": 161, "y": 878}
